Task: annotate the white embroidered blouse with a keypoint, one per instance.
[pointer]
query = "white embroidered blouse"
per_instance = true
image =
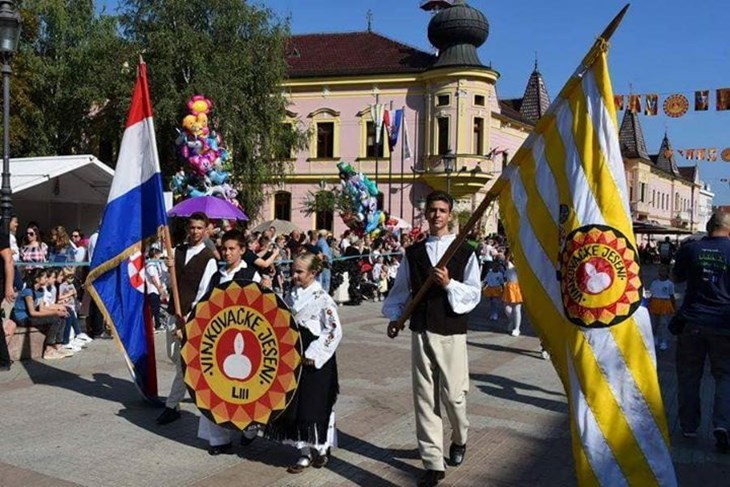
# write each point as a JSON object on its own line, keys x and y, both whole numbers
{"x": 316, "y": 310}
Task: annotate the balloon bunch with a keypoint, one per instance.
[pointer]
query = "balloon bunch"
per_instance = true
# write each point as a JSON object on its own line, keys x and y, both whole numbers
{"x": 365, "y": 218}
{"x": 206, "y": 158}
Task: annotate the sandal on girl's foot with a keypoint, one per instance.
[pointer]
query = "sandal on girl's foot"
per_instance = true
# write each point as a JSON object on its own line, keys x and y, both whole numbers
{"x": 321, "y": 460}
{"x": 302, "y": 464}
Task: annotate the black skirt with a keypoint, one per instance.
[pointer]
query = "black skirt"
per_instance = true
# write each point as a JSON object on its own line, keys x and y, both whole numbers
{"x": 307, "y": 416}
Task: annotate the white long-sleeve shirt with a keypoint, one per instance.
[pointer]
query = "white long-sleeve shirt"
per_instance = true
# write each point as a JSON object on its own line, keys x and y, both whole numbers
{"x": 210, "y": 269}
{"x": 463, "y": 296}
{"x": 316, "y": 310}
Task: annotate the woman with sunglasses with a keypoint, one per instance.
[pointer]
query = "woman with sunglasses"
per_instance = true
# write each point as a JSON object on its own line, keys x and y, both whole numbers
{"x": 33, "y": 250}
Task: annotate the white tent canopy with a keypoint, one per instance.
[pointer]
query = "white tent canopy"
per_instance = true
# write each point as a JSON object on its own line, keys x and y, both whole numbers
{"x": 60, "y": 190}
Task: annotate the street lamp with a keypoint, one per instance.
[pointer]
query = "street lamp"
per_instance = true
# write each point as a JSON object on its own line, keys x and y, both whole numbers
{"x": 449, "y": 161}
{"x": 9, "y": 37}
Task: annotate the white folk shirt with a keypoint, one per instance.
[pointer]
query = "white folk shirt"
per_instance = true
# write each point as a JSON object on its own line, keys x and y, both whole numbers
{"x": 463, "y": 296}
{"x": 228, "y": 275}
{"x": 315, "y": 310}
{"x": 662, "y": 289}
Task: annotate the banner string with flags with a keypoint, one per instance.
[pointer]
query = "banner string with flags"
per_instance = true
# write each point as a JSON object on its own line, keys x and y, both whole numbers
{"x": 134, "y": 213}
{"x": 566, "y": 215}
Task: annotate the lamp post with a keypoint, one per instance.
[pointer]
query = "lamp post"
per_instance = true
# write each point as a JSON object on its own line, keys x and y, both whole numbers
{"x": 9, "y": 36}
{"x": 449, "y": 160}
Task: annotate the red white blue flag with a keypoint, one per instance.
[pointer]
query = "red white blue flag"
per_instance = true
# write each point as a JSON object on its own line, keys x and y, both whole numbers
{"x": 134, "y": 212}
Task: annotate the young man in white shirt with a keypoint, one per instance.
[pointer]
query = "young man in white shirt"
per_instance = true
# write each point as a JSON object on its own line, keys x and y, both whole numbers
{"x": 438, "y": 339}
{"x": 194, "y": 266}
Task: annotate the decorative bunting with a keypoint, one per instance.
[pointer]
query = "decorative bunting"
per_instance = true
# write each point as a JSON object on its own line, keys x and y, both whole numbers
{"x": 723, "y": 99}
{"x": 650, "y": 108}
{"x": 725, "y": 154}
{"x": 702, "y": 100}
{"x": 635, "y": 103}
{"x": 700, "y": 154}
{"x": 689, "y": 154}
{"x": 618, "y": 100}
{"x": 676, "y": 105}
{"x": 712, "y": 154}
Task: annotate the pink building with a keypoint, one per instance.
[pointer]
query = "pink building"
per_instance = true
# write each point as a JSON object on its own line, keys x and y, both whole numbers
{"x": 662, "y": 194}
{"x": 451, "y": 107}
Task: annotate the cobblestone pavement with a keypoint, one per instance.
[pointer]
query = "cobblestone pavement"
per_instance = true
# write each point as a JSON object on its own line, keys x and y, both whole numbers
{"x": 80, "y": 421}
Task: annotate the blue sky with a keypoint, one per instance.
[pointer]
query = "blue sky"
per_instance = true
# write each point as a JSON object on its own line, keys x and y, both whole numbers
{"x": 663, "y": 46}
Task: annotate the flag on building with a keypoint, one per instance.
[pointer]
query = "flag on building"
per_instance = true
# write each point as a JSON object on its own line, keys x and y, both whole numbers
{"x": 377, "y": 112}
{"x": 134, "y": 212}
{"x": 391, "y": 122}
{"x": 566, "y": 215}
{"x": 407, "y": 152}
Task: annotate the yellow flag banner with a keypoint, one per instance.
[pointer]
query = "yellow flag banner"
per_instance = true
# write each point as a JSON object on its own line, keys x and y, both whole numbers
{"x": 566, "y": 214}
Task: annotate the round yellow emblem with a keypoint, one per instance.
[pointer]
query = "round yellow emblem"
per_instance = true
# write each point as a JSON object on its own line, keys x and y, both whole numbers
{"x": 599, "y": 277}
{"x": 241, "y": 355}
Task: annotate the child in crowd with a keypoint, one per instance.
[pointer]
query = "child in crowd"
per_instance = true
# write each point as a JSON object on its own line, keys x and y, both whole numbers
{"x": 661, "y": 307}
{"x": 30, "y": 309}
{"x": 156, "y": 291}
{"x": 376, "y": 274}
{"x": 67, "y": 298}
{"x": 383, "y": 282}
{"x": 493, "y": 289}
{"x": 512, "y": 296}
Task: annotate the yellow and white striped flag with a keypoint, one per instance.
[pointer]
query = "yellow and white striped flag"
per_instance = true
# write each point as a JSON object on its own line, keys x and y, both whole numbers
{"x": 566, "y": 214}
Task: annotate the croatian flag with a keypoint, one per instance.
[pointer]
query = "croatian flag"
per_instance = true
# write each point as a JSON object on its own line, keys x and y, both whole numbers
{"x": 134, "y": 212}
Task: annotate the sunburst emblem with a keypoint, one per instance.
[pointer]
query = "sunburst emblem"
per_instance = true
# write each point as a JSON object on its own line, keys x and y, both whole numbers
{"x": 600, "y": 281}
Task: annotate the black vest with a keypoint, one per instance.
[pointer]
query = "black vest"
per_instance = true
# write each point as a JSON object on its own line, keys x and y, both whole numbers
{"x": 434, "y": 313}
{"x": 189, "y": 276}
{"x": 245, "y": 274}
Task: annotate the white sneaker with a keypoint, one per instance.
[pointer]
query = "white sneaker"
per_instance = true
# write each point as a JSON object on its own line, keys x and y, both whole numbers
{"x": 64, "y": 352}
{"x": 78, "y": 342}
{"x": 515, "y": 332}
{"x": 84, "y": 337}
{"x": 71, "y": 346}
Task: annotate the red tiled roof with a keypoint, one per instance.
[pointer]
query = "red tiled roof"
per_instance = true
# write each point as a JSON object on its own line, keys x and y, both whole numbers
{"x": 352, "y": 53}
{"x": 688, "y": 173}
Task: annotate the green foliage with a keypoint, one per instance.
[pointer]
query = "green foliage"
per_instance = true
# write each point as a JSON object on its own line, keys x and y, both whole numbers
{"x": 334, "y": 200}
{"x": 74, "y": 74}
{"x": 70, "y": 89}
{"x": 234, "y": 53}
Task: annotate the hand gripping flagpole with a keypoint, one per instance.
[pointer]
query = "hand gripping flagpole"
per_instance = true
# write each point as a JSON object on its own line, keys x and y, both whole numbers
{"x": 394, "y": 327}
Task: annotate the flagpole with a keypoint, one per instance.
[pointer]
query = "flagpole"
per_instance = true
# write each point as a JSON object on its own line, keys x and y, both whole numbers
{"x": 173, "y": 274}
{"x": 402, "y": 156}
{"x": 377, "y": 145}
{"x": 493, "y": 193}
{"x": 390, "y": 164}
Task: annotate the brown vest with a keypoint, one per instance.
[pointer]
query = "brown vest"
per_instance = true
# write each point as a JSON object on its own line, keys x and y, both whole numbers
{"x": 434, "y": 313}
{"x": 189, "y": 276}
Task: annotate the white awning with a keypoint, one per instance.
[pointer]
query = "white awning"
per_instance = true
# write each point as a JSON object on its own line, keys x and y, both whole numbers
{"x": 68, "y": 179}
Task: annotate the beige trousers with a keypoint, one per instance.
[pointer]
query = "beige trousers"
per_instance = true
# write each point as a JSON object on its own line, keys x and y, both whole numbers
{"x": 440, "y": 369}
{"x": 177, "y": 389}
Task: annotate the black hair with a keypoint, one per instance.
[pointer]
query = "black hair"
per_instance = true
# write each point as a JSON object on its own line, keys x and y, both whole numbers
{"x": 440, "y": 196}
{"x": 236, "y": 235}
{"x": 199, "y": 216}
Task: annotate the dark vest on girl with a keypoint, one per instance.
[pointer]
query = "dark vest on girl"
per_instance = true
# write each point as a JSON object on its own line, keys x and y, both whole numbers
{"x": 434, "y": 313}
{"x": 189, "y": 275}
{"x": 245, "y": 274}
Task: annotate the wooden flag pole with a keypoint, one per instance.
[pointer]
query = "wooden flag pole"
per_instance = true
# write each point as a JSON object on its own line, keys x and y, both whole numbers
{"x": 492, "y": 194}
{"x": 173, "y": 274}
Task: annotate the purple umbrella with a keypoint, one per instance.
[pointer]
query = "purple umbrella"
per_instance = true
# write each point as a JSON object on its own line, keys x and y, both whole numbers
{"x": 213, "y": 207}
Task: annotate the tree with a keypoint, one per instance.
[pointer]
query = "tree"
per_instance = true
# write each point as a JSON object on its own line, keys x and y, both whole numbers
{"x": 233, "y": 53}
{"x": 71, "y": 84}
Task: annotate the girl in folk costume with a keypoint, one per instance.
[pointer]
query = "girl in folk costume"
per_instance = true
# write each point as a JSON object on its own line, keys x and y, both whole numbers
{"x": 662, "y": 306}
{"x": 308, "y": 423}
{"x": 512, "y": 296}
{"x": 493, "y": 289}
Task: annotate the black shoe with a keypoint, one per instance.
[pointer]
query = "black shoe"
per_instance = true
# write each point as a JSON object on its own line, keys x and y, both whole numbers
{"x": 456, "y": 454}
{"x": 168, "y": 416}
{"x": 431, "y": 478}
{"x": 6, "y": 366}
{"x": 321, "y": 460}
{"x": 722, "y": 442}
{"x": 245, "y": 440}
{"x": 220, "y": 449}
